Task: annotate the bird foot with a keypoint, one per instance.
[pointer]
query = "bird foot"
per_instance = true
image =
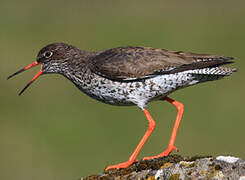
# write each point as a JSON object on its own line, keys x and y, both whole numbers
{"x": 165, "y": 153}
{"x": 121, "y": 165}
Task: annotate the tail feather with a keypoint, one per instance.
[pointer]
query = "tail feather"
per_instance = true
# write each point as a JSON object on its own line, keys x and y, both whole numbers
{"x": 223, "y": 71}
{"x": 203, "y": 63}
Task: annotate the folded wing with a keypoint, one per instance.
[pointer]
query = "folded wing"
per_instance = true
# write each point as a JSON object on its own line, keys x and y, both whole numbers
{"x": 135, "y": 63}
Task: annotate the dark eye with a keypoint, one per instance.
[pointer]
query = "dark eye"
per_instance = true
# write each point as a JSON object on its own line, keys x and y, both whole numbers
{"x": 48, "y": 54}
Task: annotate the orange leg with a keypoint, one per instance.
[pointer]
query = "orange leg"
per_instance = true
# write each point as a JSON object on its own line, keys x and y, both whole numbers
{"x": 171, "y": 146}
{"x": 151, "y": 126}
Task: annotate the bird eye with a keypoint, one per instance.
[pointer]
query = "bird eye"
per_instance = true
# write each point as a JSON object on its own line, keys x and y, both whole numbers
{"x": 48, "y": 54}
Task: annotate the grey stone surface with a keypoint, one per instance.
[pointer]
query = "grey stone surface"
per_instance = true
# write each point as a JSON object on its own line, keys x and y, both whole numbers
{"x": 176, "y": 167}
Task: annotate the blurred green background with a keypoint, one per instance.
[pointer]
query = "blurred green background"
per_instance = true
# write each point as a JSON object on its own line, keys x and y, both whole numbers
{"x": 53, "y": 131}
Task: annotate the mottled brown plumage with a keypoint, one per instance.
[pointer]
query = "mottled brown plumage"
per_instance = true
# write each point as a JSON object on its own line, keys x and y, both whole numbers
{"x": 129, "y": 63}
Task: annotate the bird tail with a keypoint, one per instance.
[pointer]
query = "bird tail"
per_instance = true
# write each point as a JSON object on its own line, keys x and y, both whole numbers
{"x": 218, "y": 70}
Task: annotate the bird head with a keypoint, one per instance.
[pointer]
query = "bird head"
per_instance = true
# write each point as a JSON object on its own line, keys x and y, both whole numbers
{"x": 52, "y": 59}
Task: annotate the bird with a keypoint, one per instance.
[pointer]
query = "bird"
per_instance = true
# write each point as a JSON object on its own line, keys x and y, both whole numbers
{"x": 131, "y": 76}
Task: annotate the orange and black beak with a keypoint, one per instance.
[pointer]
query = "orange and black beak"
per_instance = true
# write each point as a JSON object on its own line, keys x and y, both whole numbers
{"x": 33, "y": 79}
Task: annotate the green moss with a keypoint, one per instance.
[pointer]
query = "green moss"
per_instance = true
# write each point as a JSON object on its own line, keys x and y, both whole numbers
{"x": 193, "y": 158}
{"x": 217, "y": 167}
{"x": 154, "y": 164}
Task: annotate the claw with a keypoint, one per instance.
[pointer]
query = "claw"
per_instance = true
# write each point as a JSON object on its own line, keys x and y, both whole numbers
{"x": 165, "y": 153}
{"x": 176, "y": 149}
{"x": 119, "y": 166}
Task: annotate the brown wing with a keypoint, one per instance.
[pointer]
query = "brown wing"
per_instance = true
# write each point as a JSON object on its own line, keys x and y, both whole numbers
{"x": 132, "y": 63}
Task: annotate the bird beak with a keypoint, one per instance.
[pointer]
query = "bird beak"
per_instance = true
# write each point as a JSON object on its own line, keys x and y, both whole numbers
{"x": 33, "y": 79}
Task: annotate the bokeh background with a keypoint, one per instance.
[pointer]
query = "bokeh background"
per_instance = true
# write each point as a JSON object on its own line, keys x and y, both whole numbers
{"x": 53, "y": 131}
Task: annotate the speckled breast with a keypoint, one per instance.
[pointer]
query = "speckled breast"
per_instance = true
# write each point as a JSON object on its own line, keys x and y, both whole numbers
{"x": 135, "y": 92}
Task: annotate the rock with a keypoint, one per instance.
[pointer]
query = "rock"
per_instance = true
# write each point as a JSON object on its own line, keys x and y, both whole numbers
{"x": 176, "y": 167}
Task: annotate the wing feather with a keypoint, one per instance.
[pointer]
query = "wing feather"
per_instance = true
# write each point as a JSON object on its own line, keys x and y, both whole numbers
{"x": 134, "y": 63}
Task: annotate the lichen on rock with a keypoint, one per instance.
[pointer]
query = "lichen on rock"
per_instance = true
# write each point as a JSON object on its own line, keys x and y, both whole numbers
{"x": 175, "y": 167}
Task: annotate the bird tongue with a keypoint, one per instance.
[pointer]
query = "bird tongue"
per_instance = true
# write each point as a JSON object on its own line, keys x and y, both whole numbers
{"x": 33, "y": 79}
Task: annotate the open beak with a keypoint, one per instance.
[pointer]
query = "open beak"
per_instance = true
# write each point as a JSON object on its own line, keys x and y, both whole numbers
{"x": 33, "y": 79}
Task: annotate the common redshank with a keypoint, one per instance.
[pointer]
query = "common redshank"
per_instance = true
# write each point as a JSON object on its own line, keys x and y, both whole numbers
{"x": 127, "y": 76}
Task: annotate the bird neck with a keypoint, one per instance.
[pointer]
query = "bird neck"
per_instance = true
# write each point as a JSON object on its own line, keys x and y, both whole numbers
{"x": 75, "y": 70}
{"x": 79, "y": 77}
